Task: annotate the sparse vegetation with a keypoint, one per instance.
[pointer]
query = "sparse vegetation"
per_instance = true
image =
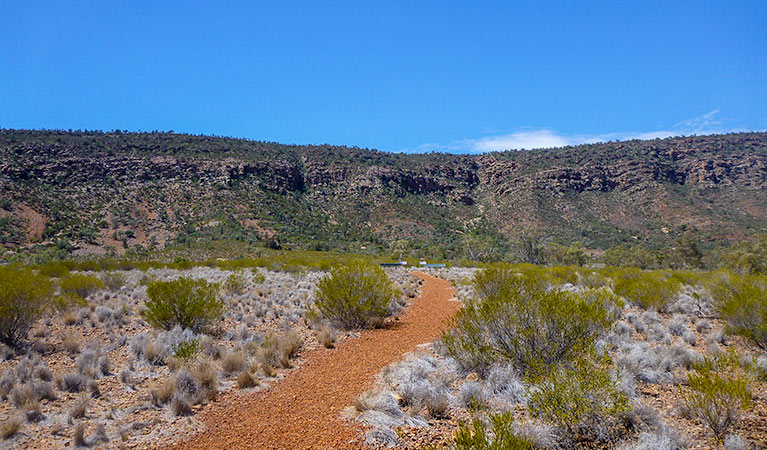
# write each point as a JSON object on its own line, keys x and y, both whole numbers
{"x": 579, "y": 390}
{"x": 192, "y": 304}
{"x": 499, "y": 436}
{"x": 653, "y": 290}
{"x": 10, "y": 427}
{"x": 187, "y": 350}
{"x": 80, "y": 285}
{"x": 719, "y": 392}
{"x": 235, "y": 284}
{"x": 742, "y": 303}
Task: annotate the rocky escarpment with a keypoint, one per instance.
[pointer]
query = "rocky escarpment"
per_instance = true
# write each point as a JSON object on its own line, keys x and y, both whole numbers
{"x": 94, "y": 189}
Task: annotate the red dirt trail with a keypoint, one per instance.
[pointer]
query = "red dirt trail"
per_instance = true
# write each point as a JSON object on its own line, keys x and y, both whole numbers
{"x": 302, "y": 411}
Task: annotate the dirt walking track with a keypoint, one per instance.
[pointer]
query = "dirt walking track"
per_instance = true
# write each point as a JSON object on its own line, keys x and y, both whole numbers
{"x": 302, "y": 410}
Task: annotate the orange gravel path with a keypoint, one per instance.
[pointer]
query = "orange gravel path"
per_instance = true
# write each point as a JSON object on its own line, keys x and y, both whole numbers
{"x": 302, "y": 411}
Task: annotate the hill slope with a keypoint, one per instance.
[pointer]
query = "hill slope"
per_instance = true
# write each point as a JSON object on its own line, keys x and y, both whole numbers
{"x": 97, "y": 190}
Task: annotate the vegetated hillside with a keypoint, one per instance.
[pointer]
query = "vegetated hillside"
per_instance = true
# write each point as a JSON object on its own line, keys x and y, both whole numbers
{"x": 91, "y": 190}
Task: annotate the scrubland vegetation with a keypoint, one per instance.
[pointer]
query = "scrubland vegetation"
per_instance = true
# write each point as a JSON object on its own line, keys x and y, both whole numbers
{"x": 107, "y": 359}
{"x": 107, "y": 353}
{"x": 574, "y": 357}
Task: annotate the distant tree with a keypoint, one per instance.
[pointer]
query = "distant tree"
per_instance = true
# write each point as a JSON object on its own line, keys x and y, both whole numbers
{"x": 400, "y": 247}
{"x": 483, "y": 242}
{"x": 573, "y": 255}
{"x": 747, "y": 257}
{"x": 530, "y": 248}
{"x": 688, "y": 252}
{"x": 637, "y": 256}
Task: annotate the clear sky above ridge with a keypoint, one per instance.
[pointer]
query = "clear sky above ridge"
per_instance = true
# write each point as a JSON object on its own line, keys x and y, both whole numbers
{"x": 397, "y": 76}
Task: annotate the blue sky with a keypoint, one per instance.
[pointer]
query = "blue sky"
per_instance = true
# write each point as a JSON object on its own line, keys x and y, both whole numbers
{"x": 397, "y": 76}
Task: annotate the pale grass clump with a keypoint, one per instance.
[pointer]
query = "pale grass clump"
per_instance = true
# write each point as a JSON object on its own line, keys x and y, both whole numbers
{"x": 326, "y": 337}
{"x": 10, "y": 427}
{"x": 233, "y": 362}
{"x": 246, "y": 380}
{"x": 80, "y": 407}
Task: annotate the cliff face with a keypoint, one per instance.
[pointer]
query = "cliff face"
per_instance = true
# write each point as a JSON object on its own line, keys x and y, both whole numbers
{"x": 102, "y": 189}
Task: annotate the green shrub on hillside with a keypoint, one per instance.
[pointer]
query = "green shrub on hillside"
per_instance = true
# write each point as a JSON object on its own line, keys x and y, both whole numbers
{"x": 742, "y": 303}
{"x": 574, "y": 392}
{"x": 192, "y": 304}
{"x": 354, "y": 296}
{"x": 80, "y": 285}
{"x": 719, "y": 392}
{"x": 24, "y": 297}
{"x": 647, "y": 289}
{"x": 514, "y": 319}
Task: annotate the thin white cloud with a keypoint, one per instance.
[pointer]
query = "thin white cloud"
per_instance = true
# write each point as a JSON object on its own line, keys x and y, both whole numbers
{"x": 547, "y": 138}
{"x": 705, "y": 122}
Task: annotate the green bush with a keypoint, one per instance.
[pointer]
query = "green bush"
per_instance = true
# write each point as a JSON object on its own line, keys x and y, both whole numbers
{"x": 56, "y": 269}
{"x": 500, "y": 436}
{"x": 80, "y": 285}
{"x": 742, "y": 303}
{"x": 192, "y": 304}
{"x": 647, "y": 289}
{"x": 24, "y": 297}
{"x": 187, "y": 350}
{"x": 719, "y": 392}
{"x": 354, "y": 296}
{"x": 66, "y": 302}
{"x": 516, "y": 320}
{"x": 583, "y": 389}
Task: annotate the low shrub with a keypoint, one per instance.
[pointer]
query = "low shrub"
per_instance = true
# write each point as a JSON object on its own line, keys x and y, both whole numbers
{"x": 246, "y": 380}
{"x": 233, "y": 362}
{"x": 499, "y": 436}
{"x": 72, "y": 382}
{"x": 278, "y": 351}
{"x": 354, "y": 296}
{"x": 719, "y": 392}
{"x": 206, "y": 375}
{"x": 80, "y": 407}
{"x": 187, "y": 350}
{"x": 163, "y": 393}
{"x": 55, "y": 269}
{"x": 654, "y": 290}
{"x": 78, "y": 438}
{"x": 235, "y": 283}
{"x": 65, "y": 303}
{"x": 572, "y": 393}
{"x": 24, "y": 297}
{"x": 742, "y": 303}
{"x": 80, "y": 285}
{"x": 326, "y": 337}
{"x": 192, "y": 304}
{"x": 516, "y": 320}
{"x": 113, "y": 280}
{"x": 10, "y": 427}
